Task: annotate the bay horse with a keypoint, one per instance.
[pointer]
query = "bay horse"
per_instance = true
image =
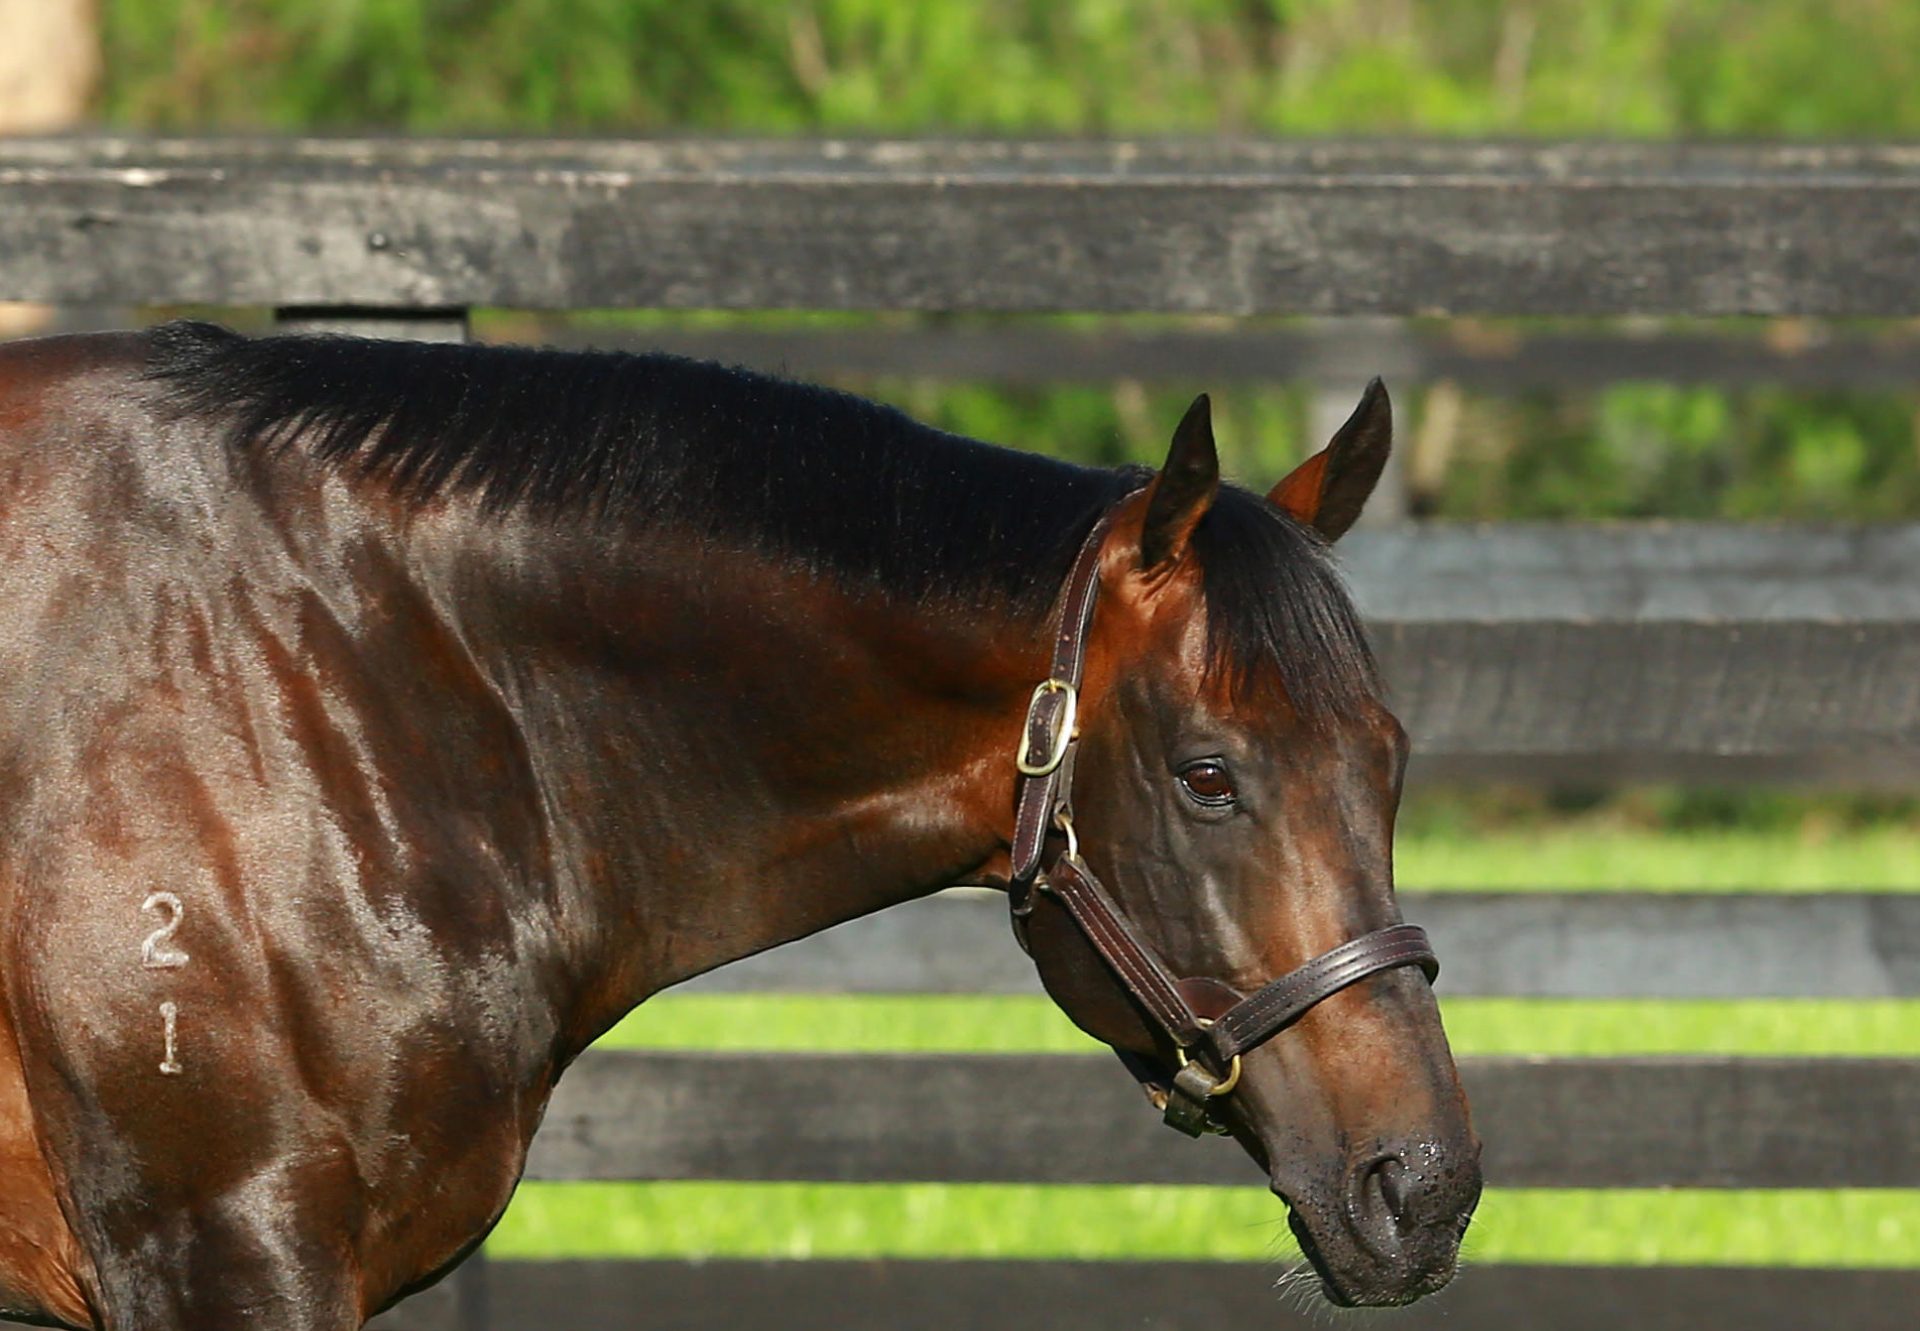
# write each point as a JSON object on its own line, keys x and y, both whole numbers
{"x": 382, "y": 721}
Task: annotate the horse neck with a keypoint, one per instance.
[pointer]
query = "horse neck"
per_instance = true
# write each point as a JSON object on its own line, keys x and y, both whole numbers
{"x": 733, "y": 754}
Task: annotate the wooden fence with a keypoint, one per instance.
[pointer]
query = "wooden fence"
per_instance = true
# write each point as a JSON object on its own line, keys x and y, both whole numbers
{"x": 1684, "y": 651}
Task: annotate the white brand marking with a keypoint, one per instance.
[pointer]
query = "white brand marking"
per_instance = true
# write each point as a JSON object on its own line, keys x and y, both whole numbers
{"x": 170, "y": 1014}
{"x": 158, "y": 953}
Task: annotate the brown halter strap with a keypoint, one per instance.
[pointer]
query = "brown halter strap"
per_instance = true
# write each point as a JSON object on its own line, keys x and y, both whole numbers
{"x": 1208, "y": 1050}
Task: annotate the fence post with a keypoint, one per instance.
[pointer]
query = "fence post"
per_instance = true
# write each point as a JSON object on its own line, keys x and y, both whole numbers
{"x": 1327, "y": 411}
{"x": 1366, "y": 347}
{"x": 49, "y": 66}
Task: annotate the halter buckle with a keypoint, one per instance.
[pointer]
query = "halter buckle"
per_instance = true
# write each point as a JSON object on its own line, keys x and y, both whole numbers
{"x": 1057, "y": 737}
{"x": 1217, "y": 1086}
{"x": 1185, "y": 1103}
{"x": 1187, "y": 1099}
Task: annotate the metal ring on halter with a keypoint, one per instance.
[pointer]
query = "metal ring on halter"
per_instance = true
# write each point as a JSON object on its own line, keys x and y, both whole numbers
{"x": 1064, "y": 821}
{"x": 1233, "y": 1070}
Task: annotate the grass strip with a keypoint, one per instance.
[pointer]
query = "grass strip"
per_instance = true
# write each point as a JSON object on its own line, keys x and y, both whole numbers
{"x": 969, "y": 1023}
{"x": 1586, "y": 859}
{"x": 1847, "y": 1228}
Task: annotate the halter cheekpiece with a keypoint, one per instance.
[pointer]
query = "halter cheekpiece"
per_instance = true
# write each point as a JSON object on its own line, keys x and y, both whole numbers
{"x": 1208, "y": 1050}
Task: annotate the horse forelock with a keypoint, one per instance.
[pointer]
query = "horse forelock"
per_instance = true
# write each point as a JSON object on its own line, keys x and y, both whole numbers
{"x": 1277, "y": 610}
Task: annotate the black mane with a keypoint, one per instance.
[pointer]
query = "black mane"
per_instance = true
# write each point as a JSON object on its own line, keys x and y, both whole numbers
{"x": 843, "y": 487}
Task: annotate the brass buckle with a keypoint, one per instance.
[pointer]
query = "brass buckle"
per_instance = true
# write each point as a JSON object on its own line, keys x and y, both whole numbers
{"x": 1219, "y": 1088}
{"x": 1061, "y": 737}
{"x": 1185, "y": 1105}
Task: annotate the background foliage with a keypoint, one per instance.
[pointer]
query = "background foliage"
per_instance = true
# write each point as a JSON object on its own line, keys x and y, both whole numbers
{"x": 1615, "y": 67}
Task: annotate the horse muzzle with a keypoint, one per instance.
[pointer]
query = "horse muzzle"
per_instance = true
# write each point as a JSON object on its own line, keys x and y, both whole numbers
{"x": 1390, "y": 1231}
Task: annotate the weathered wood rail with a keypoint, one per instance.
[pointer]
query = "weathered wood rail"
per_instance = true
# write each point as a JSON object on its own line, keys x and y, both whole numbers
{"x": 931, "y": 1118}
{"x": 1678, "y": 651}
{"x": 1203, "y": 227}
{"x": 1102, "y": 1296}
{"x": 1651, "y": 650}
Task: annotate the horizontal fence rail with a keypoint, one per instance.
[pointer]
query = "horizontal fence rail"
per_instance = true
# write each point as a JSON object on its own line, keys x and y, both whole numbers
{"x": 1663, "y": 650}
{"x": 1514, "y": 945}
{"x": 1153, "y": 1296}
{"x": 1490, "y": 359}
{"x": 1199, "y": 227}
{"x": 1072, "y": 1118}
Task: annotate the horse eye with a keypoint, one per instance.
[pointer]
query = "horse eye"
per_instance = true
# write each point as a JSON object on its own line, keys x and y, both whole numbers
{"x": 1208, "y": 782}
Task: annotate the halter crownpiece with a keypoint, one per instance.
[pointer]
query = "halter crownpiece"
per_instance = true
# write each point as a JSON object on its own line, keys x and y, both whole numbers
{"x": 1208, "y": 1050}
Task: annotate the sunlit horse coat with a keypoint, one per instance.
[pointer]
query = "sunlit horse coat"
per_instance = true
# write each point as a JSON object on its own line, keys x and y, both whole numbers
{"x": 380, "y": 722}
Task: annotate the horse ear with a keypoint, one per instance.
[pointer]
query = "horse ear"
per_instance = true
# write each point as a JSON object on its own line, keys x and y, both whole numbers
{"x": 1184, "y": 489}
{"x": 1329, "y": 489}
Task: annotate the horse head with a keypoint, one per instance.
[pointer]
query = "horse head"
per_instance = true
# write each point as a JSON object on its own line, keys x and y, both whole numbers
{"x": 1234, "y": 783}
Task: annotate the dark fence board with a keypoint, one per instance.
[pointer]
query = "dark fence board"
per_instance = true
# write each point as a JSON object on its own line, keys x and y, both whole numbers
{"x": 1654, "y": 690}
{"x": 1713, "y": 573}
{"x": 1103, "y": 1296}
{"x": 1493, "y": 360}
{"x": 1522, "y": 944}
{"x": 1323, "y": 228}
{"x": 1684, "y": 1122}
{"x": 1639, "y": 645}
{"x": 885, "y": 1295}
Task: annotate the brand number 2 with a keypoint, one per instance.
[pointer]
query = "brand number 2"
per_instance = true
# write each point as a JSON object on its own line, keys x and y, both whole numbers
{"x": 158, "y": 952}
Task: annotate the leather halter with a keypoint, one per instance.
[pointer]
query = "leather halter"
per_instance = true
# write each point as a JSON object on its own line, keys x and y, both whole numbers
{"x": 1208, "y": 1050}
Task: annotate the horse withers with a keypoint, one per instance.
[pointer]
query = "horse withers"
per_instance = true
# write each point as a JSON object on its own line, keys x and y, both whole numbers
{"x": 382, "y": 721}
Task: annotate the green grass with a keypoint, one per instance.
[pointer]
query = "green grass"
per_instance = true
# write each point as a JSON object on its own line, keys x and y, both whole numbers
{"x": 1878, "y": 858}
{"x": 1839, "y": 1228}
{"x": 972, "y": 1024}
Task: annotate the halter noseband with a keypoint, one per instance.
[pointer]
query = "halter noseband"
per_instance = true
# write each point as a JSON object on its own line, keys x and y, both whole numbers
{"x": 1208, "y": 1050}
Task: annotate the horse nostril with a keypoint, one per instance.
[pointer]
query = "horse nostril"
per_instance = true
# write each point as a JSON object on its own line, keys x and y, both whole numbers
{"x": 1384, "y": 1197}
{"x": 1391, "y": 1177}
{"x": 1407, "y": 1209}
